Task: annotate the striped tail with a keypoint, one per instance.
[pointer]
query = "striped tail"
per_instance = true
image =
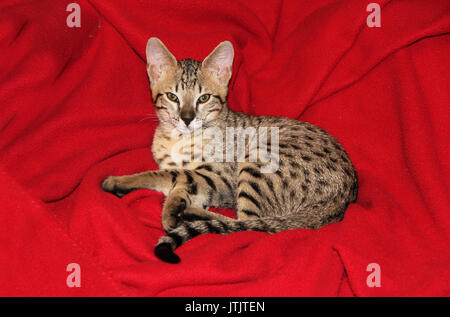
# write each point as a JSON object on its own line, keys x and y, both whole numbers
{"x": 187, "y": 230}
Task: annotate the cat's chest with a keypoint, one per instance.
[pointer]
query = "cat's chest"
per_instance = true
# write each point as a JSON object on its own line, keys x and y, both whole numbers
{"x": 173, "y": 149}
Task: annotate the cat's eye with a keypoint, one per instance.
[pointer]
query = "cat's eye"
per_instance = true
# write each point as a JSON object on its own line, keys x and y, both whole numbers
{"x": 204, "y": 98}
{"x": 172, "y": 97}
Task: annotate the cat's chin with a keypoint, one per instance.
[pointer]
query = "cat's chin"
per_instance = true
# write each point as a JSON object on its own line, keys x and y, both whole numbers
{"x": 184, "y": 130}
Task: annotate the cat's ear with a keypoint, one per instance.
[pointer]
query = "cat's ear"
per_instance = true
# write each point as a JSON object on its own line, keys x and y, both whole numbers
{"x": 219, "y": 64}
{"x": 159, "y": 60}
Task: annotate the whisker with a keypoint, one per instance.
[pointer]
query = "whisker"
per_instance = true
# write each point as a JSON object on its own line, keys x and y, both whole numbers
{"x": 150, "y": 117}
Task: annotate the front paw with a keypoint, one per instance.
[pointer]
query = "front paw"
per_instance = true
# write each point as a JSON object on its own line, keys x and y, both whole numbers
{"x": 114, "y": 185}
{"x": 172, "y": 211}
{"x": 170, "y": 222}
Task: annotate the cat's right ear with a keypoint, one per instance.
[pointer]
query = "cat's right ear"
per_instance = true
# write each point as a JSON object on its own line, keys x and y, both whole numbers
{"x": 159, "y": 60}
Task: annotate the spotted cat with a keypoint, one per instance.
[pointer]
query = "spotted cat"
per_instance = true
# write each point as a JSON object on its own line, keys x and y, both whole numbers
{"x": 312, "y": 184}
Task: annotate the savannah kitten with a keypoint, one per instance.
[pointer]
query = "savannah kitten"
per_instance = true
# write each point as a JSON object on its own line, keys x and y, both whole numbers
{"x": 312, "y": 186}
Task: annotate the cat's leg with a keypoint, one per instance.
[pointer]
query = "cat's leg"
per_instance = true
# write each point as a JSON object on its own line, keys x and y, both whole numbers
{"x": 202, "y": 187}
{"x": 160, "y": 180}
{"x": 249, "y": 195}
{"x": 196, "y": 213}
{"x": 196, "y": 190}
{"x": 178, "y": 210}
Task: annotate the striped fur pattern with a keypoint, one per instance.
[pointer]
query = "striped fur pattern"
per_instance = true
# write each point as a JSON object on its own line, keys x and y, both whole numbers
{"x": 313, "y": 185}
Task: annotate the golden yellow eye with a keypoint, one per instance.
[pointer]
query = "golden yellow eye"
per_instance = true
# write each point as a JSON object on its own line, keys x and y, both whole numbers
{"x": 204, "y": 98}
{"x": 172, "y": 97}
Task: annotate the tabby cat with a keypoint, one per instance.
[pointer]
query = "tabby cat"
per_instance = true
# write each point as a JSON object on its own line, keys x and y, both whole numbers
{"x": 312, "y": 185}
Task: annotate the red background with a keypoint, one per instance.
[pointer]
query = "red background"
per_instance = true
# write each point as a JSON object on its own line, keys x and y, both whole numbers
{"x": 73, "y": 103}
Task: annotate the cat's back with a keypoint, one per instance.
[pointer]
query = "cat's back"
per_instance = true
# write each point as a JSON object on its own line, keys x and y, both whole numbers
{"x": 311, "y": 161}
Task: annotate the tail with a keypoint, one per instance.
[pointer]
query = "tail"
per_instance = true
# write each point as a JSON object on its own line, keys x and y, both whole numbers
{"x": 190, "y": 229}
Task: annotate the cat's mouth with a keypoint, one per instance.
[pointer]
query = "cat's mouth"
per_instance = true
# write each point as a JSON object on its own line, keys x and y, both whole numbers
{"x": 195, "y": 125}
{"x": 184, "y": 129}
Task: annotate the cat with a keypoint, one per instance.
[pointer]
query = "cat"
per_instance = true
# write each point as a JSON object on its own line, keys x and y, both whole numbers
{"x": 312, "y": 185}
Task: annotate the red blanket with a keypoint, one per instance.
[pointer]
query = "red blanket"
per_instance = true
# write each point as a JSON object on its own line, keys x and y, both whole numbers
{"x": 74, "y": 105}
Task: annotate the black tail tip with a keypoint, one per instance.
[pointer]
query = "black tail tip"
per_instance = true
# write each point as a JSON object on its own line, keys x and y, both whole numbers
{"x": 164, "y": 252}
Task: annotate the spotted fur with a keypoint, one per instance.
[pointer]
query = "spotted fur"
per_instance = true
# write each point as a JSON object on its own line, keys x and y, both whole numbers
{"x": 313, "y": 185}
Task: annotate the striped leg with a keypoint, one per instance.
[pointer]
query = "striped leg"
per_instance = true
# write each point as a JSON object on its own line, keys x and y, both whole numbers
{"x": 248, "y": 193}
{"x": 161, "y": 180}
{"x": 202, "y": 187}
{"x": 194, "y": 191}
{"x": 196, "y": 213}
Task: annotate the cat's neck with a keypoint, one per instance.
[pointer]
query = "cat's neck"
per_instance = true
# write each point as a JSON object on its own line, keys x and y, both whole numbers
{"x": 229, "y": 118}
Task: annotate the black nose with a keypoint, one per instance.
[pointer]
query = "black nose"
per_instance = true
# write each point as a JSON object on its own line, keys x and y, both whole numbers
{"x": 187, "y": 120}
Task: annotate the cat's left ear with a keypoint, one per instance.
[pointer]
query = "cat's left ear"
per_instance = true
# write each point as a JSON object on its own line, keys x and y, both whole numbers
{"x": 219, "y": 64}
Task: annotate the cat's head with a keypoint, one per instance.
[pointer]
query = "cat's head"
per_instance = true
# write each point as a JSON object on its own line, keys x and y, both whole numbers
{"x": 188, "y": 94}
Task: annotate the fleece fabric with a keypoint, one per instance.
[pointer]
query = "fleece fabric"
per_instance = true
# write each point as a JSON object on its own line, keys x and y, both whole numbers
{"x": 74, "y": 109}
